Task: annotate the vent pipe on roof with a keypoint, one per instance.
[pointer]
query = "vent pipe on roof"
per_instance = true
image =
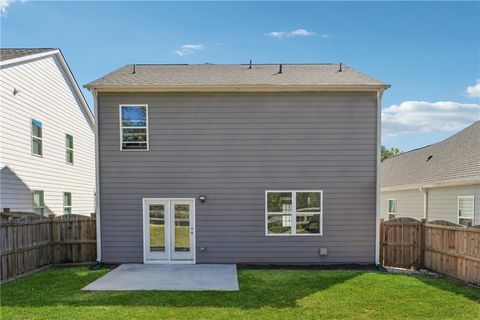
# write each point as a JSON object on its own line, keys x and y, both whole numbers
{"x": 280, "y": 68}
{"x": 340, "y": 69}
{"x": 250, "y": 67}
{"x": 133, "y": 69}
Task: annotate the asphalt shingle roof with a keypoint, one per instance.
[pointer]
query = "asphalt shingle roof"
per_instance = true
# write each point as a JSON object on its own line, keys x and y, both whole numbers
{"x": 12, "y": 53}
{"x": 164, "y": 75}
{"x": 455, "y": 159}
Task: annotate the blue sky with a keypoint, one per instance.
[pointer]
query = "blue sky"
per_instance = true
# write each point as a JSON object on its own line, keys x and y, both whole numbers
{"x": 429, "y": 52}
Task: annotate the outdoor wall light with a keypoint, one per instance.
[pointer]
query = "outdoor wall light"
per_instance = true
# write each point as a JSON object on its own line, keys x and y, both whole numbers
{"x": 202, "y": 198}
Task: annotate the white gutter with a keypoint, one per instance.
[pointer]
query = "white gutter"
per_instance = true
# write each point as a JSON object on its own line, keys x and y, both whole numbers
{"x": 97, "y": 178}
{"x": 432, "y": 185}
{"x": 377, "y": 182}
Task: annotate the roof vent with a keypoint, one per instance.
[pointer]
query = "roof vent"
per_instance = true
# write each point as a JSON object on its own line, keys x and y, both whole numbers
{"x": 133, "y": 72}
{"x": 429, "y": 157}
{"x": 280, "y": 67}
{"x": 340, "y": 68}
{"x": 250, "y": 67}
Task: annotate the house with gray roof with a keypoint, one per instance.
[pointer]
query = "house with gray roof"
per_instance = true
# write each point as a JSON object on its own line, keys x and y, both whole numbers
{"x": 262, "y": 164}
{"x": 437, "y": 182}
{"x": 47, "y": 136}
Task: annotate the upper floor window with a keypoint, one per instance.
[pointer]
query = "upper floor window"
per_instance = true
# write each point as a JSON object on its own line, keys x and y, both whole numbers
{"x": 465, "y": 210}
{"x": 38, "y": 202}
{"x": 294, "y": 212}
{"x": 37, "y": 148}
{"x": 67, "y": 203}
{"x": 134, "y": 127}
{"x": 69, "y": 148}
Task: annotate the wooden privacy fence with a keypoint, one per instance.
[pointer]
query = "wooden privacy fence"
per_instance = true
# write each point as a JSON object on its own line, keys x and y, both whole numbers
{"x": 439, "y": 246}
{"x": 30, "y": 242}
{"x": 401, "y": 243}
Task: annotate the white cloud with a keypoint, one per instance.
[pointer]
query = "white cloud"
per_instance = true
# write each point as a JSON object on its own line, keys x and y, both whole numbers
{"x": 422, "y": 117}
{"x": 293, "y": 33}
{"x": 189, "y": 49}
{"x": 474, "y": 91}
{"x": 4, "y": 4}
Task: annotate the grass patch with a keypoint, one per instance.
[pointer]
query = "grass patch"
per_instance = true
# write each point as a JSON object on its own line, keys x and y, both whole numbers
{"x": 264, "y": 294}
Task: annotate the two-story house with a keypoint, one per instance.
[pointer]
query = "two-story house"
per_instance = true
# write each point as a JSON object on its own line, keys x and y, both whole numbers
{"x": 47, "y": 141}
{"x": 264, "y": 164}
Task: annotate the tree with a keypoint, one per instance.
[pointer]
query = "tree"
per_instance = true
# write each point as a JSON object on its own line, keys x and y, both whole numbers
{"x": 387, "y": 153}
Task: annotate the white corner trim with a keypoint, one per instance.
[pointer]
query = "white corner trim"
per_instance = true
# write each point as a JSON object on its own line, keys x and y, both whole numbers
{"x": 97, "y": 179}
{"x": 377, "y": 182}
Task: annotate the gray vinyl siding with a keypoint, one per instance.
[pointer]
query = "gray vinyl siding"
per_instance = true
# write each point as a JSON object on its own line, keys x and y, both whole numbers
{"x": 443, "y": 202}
{"x": 409, "y": 203}
{"x": 231, "y": 148}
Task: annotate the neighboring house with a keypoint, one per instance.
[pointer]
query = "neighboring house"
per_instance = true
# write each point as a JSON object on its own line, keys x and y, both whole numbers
{"x": 263, "y": 164}
{"x": 47, "y": 136}
{"x": 437, "y": 182}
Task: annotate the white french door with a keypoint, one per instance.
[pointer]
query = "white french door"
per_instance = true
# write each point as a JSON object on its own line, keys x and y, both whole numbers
{"x": 169, "y": 230}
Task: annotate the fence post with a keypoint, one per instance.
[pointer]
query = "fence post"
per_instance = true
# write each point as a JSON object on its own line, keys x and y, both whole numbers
{"x": 422, "y": 244}
{"x": 52, "y": 242}
{"x": 382, "y": 236}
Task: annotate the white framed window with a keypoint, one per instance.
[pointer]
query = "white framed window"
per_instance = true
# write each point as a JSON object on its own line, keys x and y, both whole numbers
{"x": 297, "y": 212}
{"x": 37, "y": 138}
{"x": 133, "y": 126}
{"x": 465, "y": 209}
{"x": 69, "y": 148}
{"x": 67, "y": 203}
{"x": 392, "y": 206}
{"x": 38, "y": 202}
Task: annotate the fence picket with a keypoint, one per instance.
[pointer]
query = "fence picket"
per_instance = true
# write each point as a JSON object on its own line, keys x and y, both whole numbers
{"x": 30, "y": 242}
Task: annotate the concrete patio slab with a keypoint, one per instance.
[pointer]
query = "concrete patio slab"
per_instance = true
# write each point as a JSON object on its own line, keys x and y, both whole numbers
{"x": 195, "y": 277}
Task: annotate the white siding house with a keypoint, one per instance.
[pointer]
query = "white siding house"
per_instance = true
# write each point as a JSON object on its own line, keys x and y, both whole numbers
{"x": 437, "y": 182}
{"x": 47, "y": 142}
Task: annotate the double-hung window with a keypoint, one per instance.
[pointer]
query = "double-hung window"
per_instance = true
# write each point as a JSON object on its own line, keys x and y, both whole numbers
{"x": 294, "y": 212}
{"x": 37, "y": 148}
{"x": 38, "y": 202}
{"x": 69, "y": 148}
{"x": 133, "y": 127}
{"x": 465, "y": 210}
{"x": 392, "y": 208}
{"x": 67, "y": 203}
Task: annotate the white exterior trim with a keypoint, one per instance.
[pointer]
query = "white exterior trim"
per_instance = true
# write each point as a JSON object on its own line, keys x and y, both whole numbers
{"x": 293, "y": 214}
{"x": 432, "y": 185}
{"x": 377, "y": 182}
{"x": 194, "y": 240}
{"x": 97, "y": 181}
{"x": 121, "y": 127}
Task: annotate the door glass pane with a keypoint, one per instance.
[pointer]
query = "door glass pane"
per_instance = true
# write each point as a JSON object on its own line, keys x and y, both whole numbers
{"x": 157, "y": 227}
{"x": 182, "y": 227}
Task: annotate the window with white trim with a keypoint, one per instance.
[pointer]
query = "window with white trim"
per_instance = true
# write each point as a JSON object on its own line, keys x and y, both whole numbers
{"x": 38, "y": 202}
{"x": 134, "y": 127}
{"x": 67, "y": 203}
{"x": 465, "y": 210}
{"x": 37, "y": 142}
{"x": 294, "y": 212}
{"x": 69, "y": 148}
{"x": 392, "y": 208}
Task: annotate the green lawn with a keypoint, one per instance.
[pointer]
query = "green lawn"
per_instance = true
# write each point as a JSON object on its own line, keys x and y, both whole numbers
{"x": 264, "y": 294}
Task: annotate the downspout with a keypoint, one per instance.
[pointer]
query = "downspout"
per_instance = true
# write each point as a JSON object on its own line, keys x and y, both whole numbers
{"x": 377, "y": 182}
{"x": 425, "y": 203}
{"x": 97, "y": 178}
